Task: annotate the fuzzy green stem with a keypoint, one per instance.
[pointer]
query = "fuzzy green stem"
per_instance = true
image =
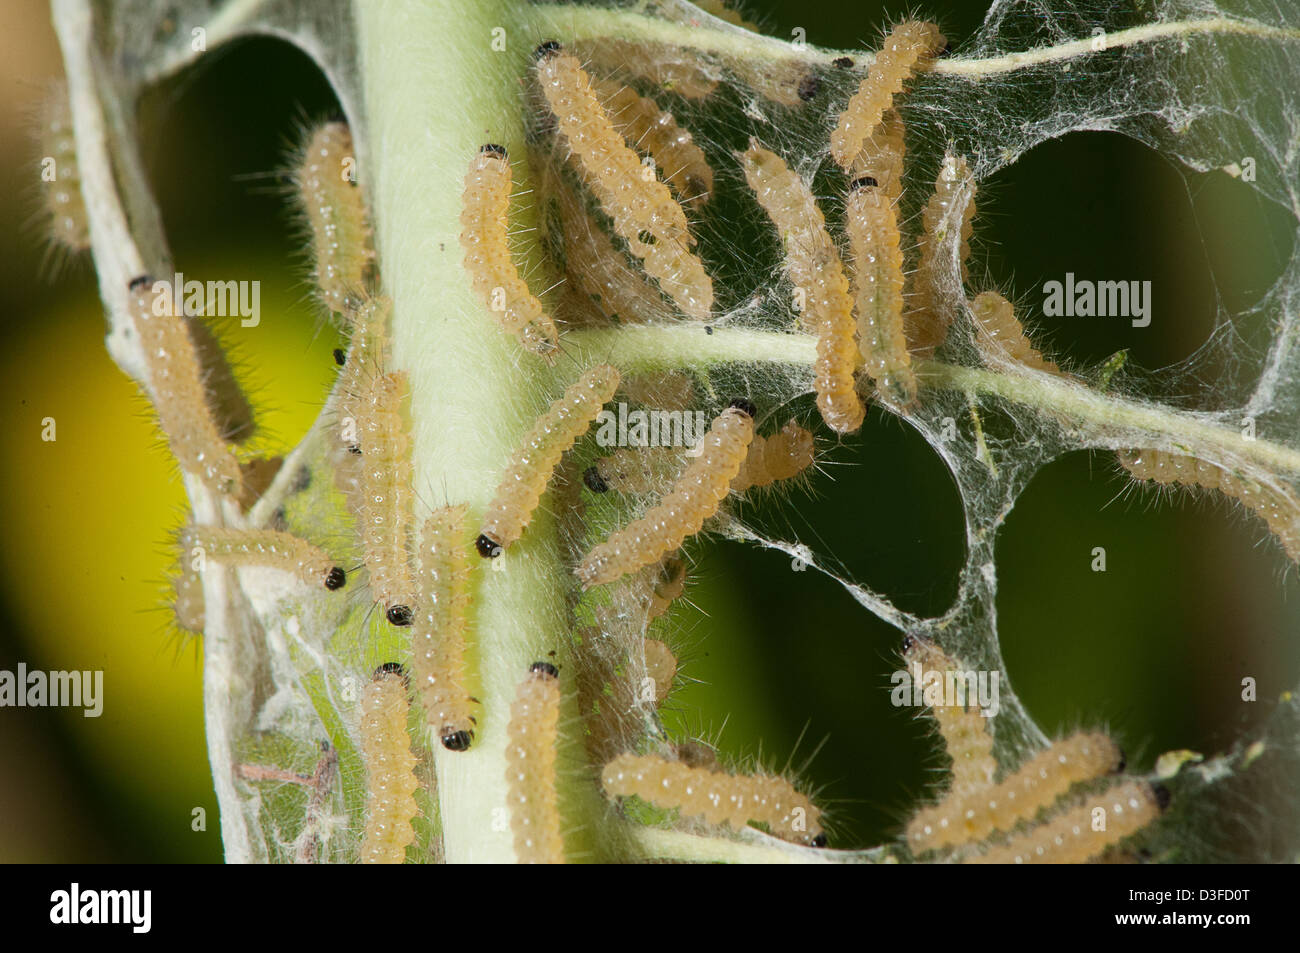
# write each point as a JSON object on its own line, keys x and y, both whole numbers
{"x": 434, "y": 91}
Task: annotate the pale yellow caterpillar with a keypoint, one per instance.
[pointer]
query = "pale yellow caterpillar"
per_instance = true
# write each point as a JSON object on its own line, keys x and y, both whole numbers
{"x": 363, "y": 363}
{"x": 60, "y": 174}
{"x": 187, "y": 591}
{"x": 660, "y": 667}
{"x": 176, "y": 381}
{"x": 882, "y": 156}
{"x": 872, "y": 227}
{"x": 485, "y": 240}
{"x": 907, "y": 48}
{"x": 1277, "y": 506}
{"x": 928, "y": 314}
{"x": 341, "y": 250}
{"x": 673, "y": 69}
{"x": 386, "y": 512}
{"x": 643, "y": 211}
{"x": 968, "y": 818}
{"x": 438, "y": 636}
{"x": 653, "y": 130}
{"x": 964, "y": 729}
{"x": 813, "y": 266}
{"x": 717, "y": 797}
{"x": 694, "y": 497}
{"x": 782, "y": 456}
{"x": 999, "y": 334}
{"x": 1071, "y": 838}
{"x": 390, "y": 768}
{"x": 265, "y": 547}
{"x": 530, "y": 767}
{"x": 530, "y": 469}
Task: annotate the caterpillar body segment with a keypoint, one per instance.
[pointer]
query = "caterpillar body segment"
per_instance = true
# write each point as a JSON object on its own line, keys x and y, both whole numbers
{"x": 716, "y": 797}
{"x": 813, "y": 266}
{"x": 390, "y": 769}
{"x": 882, "y": 157}
{"x": 906, "y": 49}
{"x": 265, "y": 547}
{"x": 782, "y": 456}
{"x": 438, "y": 635}
{"x": 963, "y": 728}
{"x": 872, "y": 226}
{"x": 342, "y": 252}
{"x": 999, "y": 334}
{"x": 530, "y": 469}
{"x": 695, "y": 496}
{"x": 485, "y": 240}
{"x": 65, "y": 208}
{"x": 650, "y": 129}
{"x": 951, "y": 207}
{"x": 530, "y": 767}
{"x": 643, "y": 211}
{"x": 386, "y": 514}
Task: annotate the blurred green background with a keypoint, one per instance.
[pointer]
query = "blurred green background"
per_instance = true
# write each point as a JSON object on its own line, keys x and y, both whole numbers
{"x": 1155, "y": 647}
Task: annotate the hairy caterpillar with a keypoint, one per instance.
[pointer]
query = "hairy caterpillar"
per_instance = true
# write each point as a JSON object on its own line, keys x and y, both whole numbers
{"x": 1277, "y": 506}
{"x": 997, "y": 332}
{"x": 874, "y": 240}
{"x": 905, "y": 50}
{"x": 364, "y": 361}
{"x": 653, "y": 130}
{"x": 964, "y": 729}
{"x": 781, "y": 456}
{"x": 485, "y": 240}
{"x": 695, "y": 496}
{"x": 390, "y": 768}
{"x": 882, "y": 156}
{"x": 438, "y": 638}
{"x": 266, "y": 547}
{"x": 717, "y": 797}
{"x": 660, "y": 667}
{"x": 971, "y": 817}
{"x": 176, "y": 380}
{"x": 670, "y": 68}
{"x": 644, "y": 212}
{"x": 336, "y": 213}
{"x": 531, "y": 467}
{"x": 385, "y": 515}
{"x": 187, "y": 591}
{"x": 1070, "y": 838}
{"x": 530, "y": 767}
{"x": 812, "y": 264}
{"x": 60, "y": 175}
{"x": 929, "y": 316}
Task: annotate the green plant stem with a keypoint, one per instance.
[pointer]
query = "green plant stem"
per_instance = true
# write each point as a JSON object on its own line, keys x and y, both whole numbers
{"x": 688, "y": 345}
{"x": 434, "y": 91}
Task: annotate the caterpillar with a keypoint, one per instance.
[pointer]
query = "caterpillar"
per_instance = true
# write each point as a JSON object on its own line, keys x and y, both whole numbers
{"x": 176, "y": 379}
{"x": 972, "y": 817}
{"x": 812, "y": 264}
{"x": 363, "y": 362}
{"x": 716, "y": 797}
{"x": 660, "y": 667}
{"x": 644, "y": 212}
{"x": 928, "y": 315}
{"x": 265, "y": 547}
{"x": 390, "y": 768}
{"x": 336, "y": 215}
{"x": 964, "y": 729}
{"x": 999, "y": 334}
{"x": 673, "y": 69}
{"x": 530, "y": 469}
{"x": 882, "y": 156}
{"x": 385, "y": 515}
{"x": 187, "y": 591}
{"x": 872, "y": 227}
{"x": 781, "y": 456}
{"x": 1070, "y": 837}
{"x": 1277, "y": 506}
{"x": 60, "y": 174}
{"x": 695, "y": 496}
{"x": 438, "y": 638}
{"x": 906, "y": 49}
{"x": 485, "y": 241}
{"x": 634, "y": 471}
{"x": 530, "y": 767}
{"x": 652, "y": 130}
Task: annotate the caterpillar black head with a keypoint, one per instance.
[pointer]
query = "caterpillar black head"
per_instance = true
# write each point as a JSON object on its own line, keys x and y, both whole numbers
{"x": 545, "y": 668}
{"x": 390, "y": 668}
{"x": 595, "y": 482}
{"x": 138, "y": 282}
{"x": 549, "y": 48}
{"x": 399, "y": 615}
{"x": 842, "y": 62}
{"x": 493, "y": 149}
{"x": 487, "y": 547}
{"x": 457, "y": 740}
{"x": 336, "y": 578}
{"x": 863, "y": 182}
{"x": 339, "y": 357}
{"x": 746, "y": 407}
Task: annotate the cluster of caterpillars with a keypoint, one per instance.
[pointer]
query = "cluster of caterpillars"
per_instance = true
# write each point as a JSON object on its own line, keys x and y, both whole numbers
{"x": 615, "y": 174}
{"x": 1068, "y": 804}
